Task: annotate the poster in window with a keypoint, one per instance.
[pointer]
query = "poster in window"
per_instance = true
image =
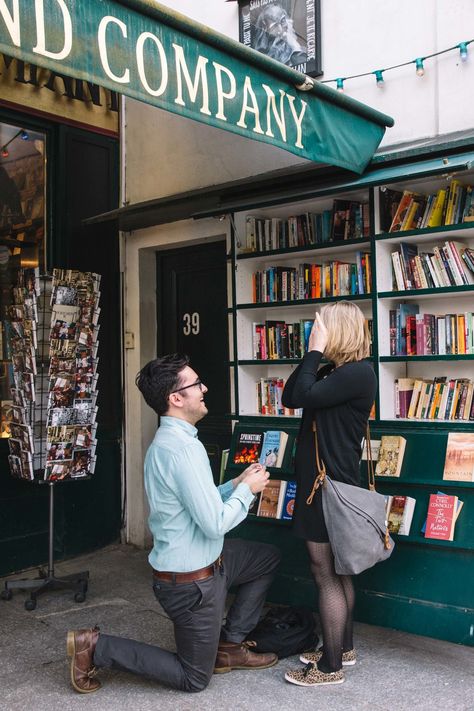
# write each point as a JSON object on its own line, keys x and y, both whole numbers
{"x": 286, "y": 30}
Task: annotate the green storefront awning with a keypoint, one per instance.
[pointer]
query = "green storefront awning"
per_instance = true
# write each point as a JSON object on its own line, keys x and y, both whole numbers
{"x": 146, "y": 51}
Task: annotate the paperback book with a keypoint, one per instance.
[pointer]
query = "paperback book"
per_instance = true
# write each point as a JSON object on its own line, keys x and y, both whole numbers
{"x": 459, "y": 460}
{"x": 273, "y": 448}
{"x": 248, "y": 447}
{"x": 391, "y": 452}
{"x": 441, "y": 517}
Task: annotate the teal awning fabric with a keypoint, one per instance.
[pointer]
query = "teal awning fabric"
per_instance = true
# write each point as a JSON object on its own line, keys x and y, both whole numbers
{"x": 153, "y": 54}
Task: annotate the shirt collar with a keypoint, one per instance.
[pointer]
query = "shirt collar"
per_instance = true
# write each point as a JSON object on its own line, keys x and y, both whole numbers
{"x": 175, "y": 423}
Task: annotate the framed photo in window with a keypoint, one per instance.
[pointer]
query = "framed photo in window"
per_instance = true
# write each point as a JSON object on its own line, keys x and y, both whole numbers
{"x": 286, "y": 30}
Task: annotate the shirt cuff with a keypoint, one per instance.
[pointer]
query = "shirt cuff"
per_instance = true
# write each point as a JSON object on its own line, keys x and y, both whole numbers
{"x": 226, "y": 490}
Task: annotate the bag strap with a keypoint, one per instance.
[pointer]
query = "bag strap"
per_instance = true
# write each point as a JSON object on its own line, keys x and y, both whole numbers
{"x": 321, "y": 467}
{"x": 370, "y": 461}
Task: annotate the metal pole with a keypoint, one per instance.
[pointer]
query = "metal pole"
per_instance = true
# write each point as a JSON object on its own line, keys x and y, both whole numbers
{"x": 51, "y": 530}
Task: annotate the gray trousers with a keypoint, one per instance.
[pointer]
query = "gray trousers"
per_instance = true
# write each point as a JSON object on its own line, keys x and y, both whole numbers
{"x": 196, "y": 610}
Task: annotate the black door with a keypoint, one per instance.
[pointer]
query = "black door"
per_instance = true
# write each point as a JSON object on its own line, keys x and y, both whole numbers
{"x": 192, "y": 318}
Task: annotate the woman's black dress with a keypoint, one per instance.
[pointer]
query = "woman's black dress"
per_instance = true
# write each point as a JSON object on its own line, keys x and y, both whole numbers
{"x": 340, "y": 399}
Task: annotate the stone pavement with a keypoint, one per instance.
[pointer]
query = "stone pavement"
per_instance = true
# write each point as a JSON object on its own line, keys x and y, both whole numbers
{"x": 395, "y": 671}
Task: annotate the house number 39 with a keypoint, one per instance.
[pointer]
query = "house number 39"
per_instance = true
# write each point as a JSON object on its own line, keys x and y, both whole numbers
{"x": 191, "y": 324}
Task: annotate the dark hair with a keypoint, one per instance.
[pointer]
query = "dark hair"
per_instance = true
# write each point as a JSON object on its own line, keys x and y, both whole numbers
{"x": 159, "y": 378}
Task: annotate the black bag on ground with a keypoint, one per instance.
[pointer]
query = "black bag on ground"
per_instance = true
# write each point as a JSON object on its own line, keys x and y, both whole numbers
{"x": 285, "y": 631}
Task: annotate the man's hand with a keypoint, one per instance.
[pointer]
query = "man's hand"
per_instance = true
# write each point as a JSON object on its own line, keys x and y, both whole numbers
{"x": 256, "y": 477}
{"x": 252, "y": 467}
{"x": 318, "y": 337}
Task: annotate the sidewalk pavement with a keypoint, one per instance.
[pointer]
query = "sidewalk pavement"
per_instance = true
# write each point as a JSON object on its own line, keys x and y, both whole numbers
{"x": 395, "y": 671}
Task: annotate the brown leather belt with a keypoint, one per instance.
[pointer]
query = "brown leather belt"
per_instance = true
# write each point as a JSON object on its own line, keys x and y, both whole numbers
{"x": 190, "y": 577}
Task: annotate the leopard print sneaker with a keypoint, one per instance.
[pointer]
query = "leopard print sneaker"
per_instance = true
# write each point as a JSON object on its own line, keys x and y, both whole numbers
{"x": 310, "y": 675}
{"x": 348, "y": 658}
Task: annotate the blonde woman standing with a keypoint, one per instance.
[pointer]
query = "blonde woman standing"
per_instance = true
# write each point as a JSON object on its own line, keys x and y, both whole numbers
{"x": 339, "y": 396}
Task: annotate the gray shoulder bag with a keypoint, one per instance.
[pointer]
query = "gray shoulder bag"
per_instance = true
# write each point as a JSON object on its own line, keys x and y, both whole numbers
{"x": 354, "y": 517}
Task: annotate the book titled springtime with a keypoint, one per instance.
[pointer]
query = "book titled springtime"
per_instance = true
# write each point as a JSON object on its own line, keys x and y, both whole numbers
{"x": 273, "y": 448}
{"x": 392, "y": 449}
{"x": 441, "y": 517}
{"x": 248, "y": 447}
{"x": 459, "y": 460}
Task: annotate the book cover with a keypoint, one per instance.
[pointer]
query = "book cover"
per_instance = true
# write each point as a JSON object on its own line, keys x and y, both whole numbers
{"x": 271, "y": 500}
{"x": 459, "y": 459}
{"x": 441, "y": 517}
{"x": 248, "y": 447}
{"x": 395, "y": 514}
{"x": 273, "y": 448}
{"x": 288, "y": 501}
{"x": 407, "y": 516}
{"x": 459, "y": 505}
{"x": 390, "y": 459}
{"x": 253, "y": 508}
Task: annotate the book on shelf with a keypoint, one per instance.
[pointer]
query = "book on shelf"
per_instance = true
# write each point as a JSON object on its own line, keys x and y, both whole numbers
{"x": 253, "y": 508}
{"x": 403, "y": 206}
{"x": 271, "y": 499}
{"x": 223, "y": 464}
{"x": 273, "y": 448}
{"x": 441, "y": 517}
{"x": 400, "y": 514}
{"x": 388, "y": 200}
{"x": 374, "y": 449}
{"x": 459, "y": 505}
{"x": 391, "y": 452}
{"x": 459, "y": 459}
{"x": 248, "y": 447}
{"x": 288, "y": 501}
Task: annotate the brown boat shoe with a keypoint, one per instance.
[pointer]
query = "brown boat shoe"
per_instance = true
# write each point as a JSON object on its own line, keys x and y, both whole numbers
{"x": 80, "y": 647}
{"x": 232, "y": 655}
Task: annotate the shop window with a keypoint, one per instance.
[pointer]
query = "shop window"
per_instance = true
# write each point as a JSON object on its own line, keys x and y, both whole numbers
{"x": 22, "y": 231}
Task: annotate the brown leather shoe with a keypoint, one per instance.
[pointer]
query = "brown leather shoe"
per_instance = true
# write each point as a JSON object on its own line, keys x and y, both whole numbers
{"x": 80, "y": 647}
{"x": 232, "y": 655}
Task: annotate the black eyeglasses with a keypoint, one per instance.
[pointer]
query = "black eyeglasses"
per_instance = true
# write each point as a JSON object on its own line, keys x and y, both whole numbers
{"x": 198, "y": 383}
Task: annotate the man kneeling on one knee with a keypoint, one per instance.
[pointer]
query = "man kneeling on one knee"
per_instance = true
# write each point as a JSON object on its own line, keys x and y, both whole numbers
{"x": 193, "y": 567}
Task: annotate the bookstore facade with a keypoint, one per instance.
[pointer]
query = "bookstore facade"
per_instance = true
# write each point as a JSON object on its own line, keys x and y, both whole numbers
{"x": 233, "y": 274}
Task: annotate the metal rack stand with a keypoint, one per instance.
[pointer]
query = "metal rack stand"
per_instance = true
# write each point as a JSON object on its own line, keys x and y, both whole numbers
{"x": 78, "y": 582}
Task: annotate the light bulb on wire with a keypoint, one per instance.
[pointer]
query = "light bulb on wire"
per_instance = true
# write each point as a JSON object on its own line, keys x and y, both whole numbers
{"x": 5, "y": 152}
{"x": 379, "y": 78}
{"x": 340, "y": 85}
{"x": 463, "y": 51}
{"x": 420, "y": 70}
{"x": 24, "y": 135}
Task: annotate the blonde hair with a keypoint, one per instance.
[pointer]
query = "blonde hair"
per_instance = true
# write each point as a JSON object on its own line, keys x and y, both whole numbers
{"x": 348, "y": 335}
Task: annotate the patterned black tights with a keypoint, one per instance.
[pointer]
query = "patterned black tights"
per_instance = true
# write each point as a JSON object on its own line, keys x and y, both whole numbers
{"x": 336, "y": 606}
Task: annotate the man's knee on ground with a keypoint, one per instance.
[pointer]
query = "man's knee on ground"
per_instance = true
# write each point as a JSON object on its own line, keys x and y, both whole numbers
{"x": 197, "y": 682}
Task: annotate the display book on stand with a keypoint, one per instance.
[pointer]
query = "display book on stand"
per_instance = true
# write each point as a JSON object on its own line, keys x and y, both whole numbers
{"x": 51, "y": 328}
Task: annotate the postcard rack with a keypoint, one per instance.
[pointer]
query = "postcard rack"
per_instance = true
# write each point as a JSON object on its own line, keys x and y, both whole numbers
{"x": 51, "y": 335}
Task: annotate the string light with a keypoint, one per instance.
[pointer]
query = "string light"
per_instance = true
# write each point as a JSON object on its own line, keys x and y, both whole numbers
{"x": 379, "y": 78}
{"x": 463, "y": 51}
{"x": 24, "y": 135}
{"x": 419, "y": 62}
{"x": 420, "y": 70}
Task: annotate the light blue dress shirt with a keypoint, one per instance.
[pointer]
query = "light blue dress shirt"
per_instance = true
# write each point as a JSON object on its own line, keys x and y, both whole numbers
{"x": 189, "y": 515}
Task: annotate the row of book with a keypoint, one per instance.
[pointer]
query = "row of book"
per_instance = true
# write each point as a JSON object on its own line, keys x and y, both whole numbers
{"x": 313, "y": 281}
{"x": 277, "y": 500}
{"x": 451, "y": 264}
{"x": 53, "y": 413}
{"x": 275, "y": 340}
{"x": 434, "y": 399}
{"x": 347, "y": 219}
{"x": 269, "y": 393}
{"x": 389, "y": 452}
{"x": 408, "y": 210}
{"x": 441, "y": 517}
{"x": 415, "y": 333}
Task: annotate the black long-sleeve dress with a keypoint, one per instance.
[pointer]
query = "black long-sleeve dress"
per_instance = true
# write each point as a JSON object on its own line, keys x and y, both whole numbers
{"x": 340, "y": 399}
